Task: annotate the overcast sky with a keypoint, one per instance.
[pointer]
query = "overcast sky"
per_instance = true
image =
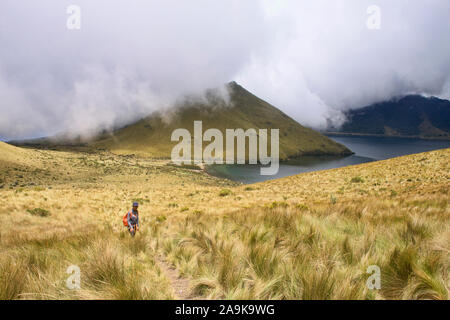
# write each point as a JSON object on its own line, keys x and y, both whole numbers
{"x": 312, "y": 59}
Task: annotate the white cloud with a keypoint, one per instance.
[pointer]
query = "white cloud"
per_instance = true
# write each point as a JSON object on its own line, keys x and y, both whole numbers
{"x": 312, "y": 59}
{"x": 326, "y": 60}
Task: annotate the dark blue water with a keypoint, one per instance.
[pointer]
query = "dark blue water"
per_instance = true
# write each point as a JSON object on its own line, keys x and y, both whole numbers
{"x": 366, "y": 149}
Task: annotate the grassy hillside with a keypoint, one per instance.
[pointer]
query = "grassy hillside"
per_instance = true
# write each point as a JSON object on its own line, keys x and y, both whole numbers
{"x": 14, "y": 160}
{"x": 302, "y": 237}
{"x": 11, "y": 154}
{"x": 415, "y": 116}
{"x": 151, "y": 136}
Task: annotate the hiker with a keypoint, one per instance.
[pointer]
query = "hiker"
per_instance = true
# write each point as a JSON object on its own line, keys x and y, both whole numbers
{"x": 132, "y": 219}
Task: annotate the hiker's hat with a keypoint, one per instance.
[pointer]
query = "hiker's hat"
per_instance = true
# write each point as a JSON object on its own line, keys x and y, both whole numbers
{"x": 135, "y": 204}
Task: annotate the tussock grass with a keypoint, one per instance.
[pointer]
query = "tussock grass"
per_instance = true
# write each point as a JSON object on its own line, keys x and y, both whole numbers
{"x": 39, "y": 212}
{"x": 111, "y": 268}
{"x": 281, "y": 239}
{"x": 225, "y": 192}
{"x": 105, "y": 267}
{"x": 281, "y": 252}
{"x": 12, "y": 279}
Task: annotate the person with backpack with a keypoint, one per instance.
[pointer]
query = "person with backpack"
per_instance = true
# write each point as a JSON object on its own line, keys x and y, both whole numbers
{"x": 131, "y": 219}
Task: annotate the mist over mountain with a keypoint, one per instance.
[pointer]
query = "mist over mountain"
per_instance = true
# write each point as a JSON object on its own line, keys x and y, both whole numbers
{"x": 314, "y": 60}
{"x": 151, "y": 135}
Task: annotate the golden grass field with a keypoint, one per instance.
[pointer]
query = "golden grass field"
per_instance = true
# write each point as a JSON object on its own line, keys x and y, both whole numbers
{"x": 310, "y": 236}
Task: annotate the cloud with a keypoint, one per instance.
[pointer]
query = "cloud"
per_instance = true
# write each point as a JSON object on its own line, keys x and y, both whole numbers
{"x": 312, "y": 59}
{"x": 326, "y": 60}
{"x": 129, "y": 58}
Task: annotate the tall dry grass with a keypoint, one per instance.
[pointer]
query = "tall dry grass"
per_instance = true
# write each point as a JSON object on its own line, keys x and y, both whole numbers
{"x": 287, "y": 252}
{"x": 310, "y": 236}
{"x": 112, "y": 265}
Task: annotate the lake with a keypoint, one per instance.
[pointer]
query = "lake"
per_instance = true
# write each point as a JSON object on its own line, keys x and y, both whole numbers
{"x": 366, "y": 149}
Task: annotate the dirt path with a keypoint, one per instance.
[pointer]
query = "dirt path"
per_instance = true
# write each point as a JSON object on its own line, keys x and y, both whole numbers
{"x": 180, "y": 285}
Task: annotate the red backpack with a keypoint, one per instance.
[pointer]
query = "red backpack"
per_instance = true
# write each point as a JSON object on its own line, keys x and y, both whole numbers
{"x": 125, "y": 219}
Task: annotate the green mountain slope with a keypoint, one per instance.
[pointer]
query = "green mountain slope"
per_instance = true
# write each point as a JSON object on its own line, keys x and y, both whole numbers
{"x": 151, "y": 136}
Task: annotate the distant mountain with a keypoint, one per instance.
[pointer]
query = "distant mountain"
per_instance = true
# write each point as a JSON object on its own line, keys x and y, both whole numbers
{"x": 151, "y": 136}
{"x": 410, "y": 116}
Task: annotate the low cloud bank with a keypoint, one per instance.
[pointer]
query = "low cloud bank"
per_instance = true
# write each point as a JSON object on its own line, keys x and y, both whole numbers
{"x": 312, "y": 59}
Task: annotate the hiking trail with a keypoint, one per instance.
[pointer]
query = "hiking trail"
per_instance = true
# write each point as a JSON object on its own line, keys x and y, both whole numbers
{"x": 180, "y": 285}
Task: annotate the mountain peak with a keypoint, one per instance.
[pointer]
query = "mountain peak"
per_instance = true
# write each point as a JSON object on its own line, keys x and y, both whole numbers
{"x": 151, "y": 136}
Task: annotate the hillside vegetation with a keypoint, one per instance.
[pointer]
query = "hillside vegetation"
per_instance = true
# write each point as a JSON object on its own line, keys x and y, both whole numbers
{"x": 152, "y": 136}
{"x": 310, "y": 236}
{"x": 12, "y": 155}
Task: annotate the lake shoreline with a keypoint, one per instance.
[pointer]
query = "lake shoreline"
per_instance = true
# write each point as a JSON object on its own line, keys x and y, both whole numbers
{"x": 366, "y": 149}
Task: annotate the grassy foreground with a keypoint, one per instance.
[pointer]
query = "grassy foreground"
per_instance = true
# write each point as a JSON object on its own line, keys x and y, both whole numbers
{"x": 310, "y": 236}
